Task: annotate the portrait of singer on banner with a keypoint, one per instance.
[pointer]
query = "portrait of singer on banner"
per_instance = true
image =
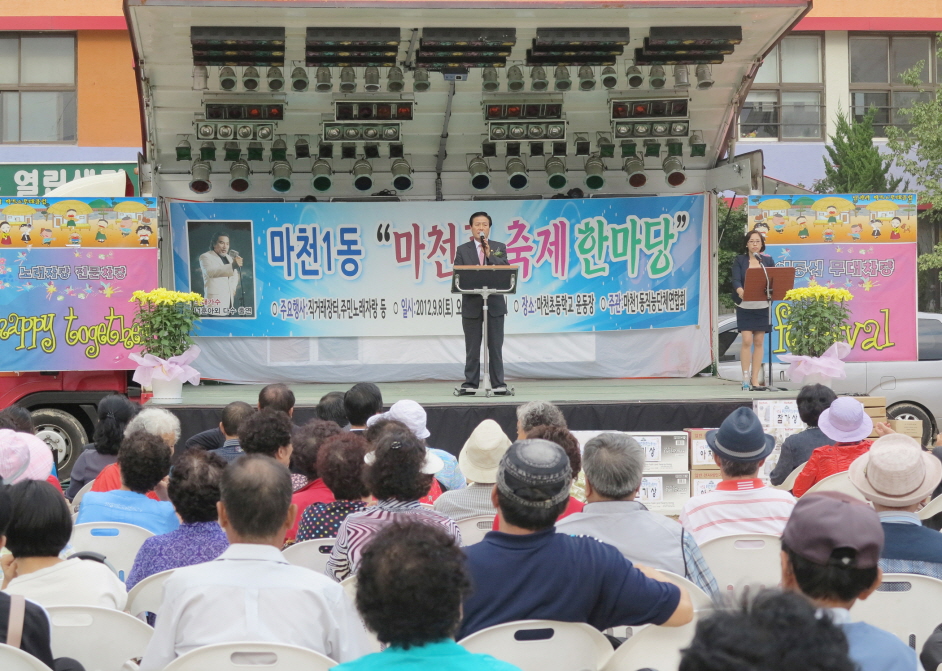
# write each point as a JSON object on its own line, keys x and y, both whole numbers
{"x": 381, "y": 269}
{"x": 865, "y": 243}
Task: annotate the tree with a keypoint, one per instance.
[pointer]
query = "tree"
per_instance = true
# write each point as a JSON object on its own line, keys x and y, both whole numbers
{"x": 732, "y": 226}
{"x": 854, "y": 164}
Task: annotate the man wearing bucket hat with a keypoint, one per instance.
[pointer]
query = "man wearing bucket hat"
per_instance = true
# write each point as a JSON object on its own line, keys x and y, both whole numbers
{"x": 478, "y": 459}
{"x": 848, "y": 425}
{"x": 741, "y": 503}
{"x": 897, "y": 476}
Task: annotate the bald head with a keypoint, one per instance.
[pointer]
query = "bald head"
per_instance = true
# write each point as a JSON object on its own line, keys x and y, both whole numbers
{"x": 255, "y": 499}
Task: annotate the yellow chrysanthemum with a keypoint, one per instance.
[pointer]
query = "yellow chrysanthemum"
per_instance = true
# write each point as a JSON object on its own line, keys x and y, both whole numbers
{"x": 161, "y": 296}
{"x": 815, "y": 291}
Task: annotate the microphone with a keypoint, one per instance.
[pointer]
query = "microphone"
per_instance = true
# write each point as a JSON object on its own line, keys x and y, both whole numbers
{"x": 234, "y": 253}
{"x": 758, "y": 257}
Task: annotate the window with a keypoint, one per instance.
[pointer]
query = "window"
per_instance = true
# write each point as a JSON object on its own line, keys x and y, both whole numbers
{"x": 877, "y": 64}
{"x": 787, "y": 98}
{"x": 37, "y": 88}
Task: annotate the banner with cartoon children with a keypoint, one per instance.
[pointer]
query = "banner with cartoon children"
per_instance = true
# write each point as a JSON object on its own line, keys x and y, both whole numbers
{"x": 864, "y": 242}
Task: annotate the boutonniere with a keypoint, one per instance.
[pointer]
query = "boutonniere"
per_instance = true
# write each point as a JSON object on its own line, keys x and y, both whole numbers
{"x": 497, "y": 252}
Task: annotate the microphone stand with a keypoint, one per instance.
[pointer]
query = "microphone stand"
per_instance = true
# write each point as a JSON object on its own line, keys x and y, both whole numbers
{"x": 768, "y": 297}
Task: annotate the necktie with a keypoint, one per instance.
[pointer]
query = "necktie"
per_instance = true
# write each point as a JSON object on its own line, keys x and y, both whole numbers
{"x": 481, "y": 253}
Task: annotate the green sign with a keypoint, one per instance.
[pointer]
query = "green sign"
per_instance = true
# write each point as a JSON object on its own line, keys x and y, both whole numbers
{"x": 25, "y": 180}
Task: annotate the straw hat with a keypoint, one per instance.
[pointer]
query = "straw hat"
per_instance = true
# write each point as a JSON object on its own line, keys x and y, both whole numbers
{"x": 482, "y": 452}
{"x": 896, "y": 472}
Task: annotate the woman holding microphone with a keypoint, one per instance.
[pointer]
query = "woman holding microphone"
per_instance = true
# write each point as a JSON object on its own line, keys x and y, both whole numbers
{"x": 752, "y": 317}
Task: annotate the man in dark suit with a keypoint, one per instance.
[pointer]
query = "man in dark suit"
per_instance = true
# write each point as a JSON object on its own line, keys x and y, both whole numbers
{"x": 480, "y": 251}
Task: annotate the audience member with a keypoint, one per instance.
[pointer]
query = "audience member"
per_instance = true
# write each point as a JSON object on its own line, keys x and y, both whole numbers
{"x": 399, "y": 472}
{"x": 274, "y": 396}
{"x": 340, "y": 463}
{"x": 307, "y": 442}
{"x": 830, "y": 553}
{"x": 813, "y": 399}
{"x": 155, "y": 421}
{"x": 40, "y": 528}
{"x": 232, "y": 417}
{"x": 741, "y": 503}
{"x": 897, "y": 476}
{"x": 415, "y": 418}
{"x": 377, "y": 430}
{"x": 409, "y": 591}
{"x": 267, "y": 432}
{"x": 478, "y": 459}
{"x": 564, "y": 438}
{"x": 144, "y": 460}
{"x": 529, "y": 572}
{"x": 114, "y": 413}
{"x": 773, "y": 632}
{"x": 362, "y": 401}
{"x": 847, "y": 426}
{"x": 250, "y": 593}
{"x": 537, "y": 413}
{"x": 194, "y": 492}
{"x": 17, "y": 418}
{"x": 330, "y": 409}
{"x": 613, "y": 465}
{"x": 23, "y": 457}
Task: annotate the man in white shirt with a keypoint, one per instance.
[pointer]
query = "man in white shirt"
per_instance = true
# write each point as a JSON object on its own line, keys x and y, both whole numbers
{"x": 741, "y": 503}
{"x": 221, "y": 271}
{"x": 250, "y": 593}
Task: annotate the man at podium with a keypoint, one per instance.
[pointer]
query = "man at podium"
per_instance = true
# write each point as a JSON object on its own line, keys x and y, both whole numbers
{"x": 480, "y": 251}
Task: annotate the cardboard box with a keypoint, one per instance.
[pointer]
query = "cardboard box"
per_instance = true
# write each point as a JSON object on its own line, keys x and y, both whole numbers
{"x": 872, "y": 401}
{"x": 908, "y": 427}
{"x": 701, "y": 456}
{"x": 875, "y": 413}
{"x": 703, "y": 481}
{"x": 665, "y": 451}
{"x": 665, "y": 493}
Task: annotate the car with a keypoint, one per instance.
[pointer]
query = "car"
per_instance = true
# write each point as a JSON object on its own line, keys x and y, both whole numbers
{"x": 912, "y": 388}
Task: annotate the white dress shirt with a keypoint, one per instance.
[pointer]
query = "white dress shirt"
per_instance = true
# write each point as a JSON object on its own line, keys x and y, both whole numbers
{"x": 251, "y": 593}
{"x": 73, "y": 582}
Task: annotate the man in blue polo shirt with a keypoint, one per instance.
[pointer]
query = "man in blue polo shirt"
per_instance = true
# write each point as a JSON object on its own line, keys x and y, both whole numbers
{"x": 527, "y": 571}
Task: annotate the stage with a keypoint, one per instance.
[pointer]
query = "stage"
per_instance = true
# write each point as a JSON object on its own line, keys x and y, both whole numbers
{"x": 663, "y": 404}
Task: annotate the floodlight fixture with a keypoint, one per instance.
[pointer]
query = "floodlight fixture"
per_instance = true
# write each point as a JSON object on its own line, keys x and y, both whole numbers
{"x": 394, "y": 80}
{"x": 697, "y": 145}
{"x": 563, "y": 80}
{"x": 362, "y": 175}
{"x": 704, "y": 76}
{"x": 556, "y": 173}
{"x": 227, "y": 78}
{"x": 302, "y": 148}
{"x": 199, "y": 177}
{"x": 517, "y": 173}
{"x": 184, "y": 150}
{"x": 594, "y": 173}
{"x": 232, "y": 152}
{"x": 681, "y": 77}
{"x": 250, "y": 78}
{"x": 635, "y": 77}
{"x": 348, "y": 80}
{"x": 402, "y": 174}
{"x": 609, "y": 77}
{"x": 200, "y": 78}
{"x": 279, "y": 150}
{"x": 322, "y": 83}
{"x": 321, "y": 176}
{"x": 276, "y": 80}
{"x": 480, "y": 173}
{"x": 281, "y": 177}
{"x": 208, "y": 151}
{"x": 586, "y": 78}
{"x": 657, "y": 77}
{"x": 371, "y": 79}
{"x": 673, "y": 167}
{"x": 515, "y": 79}
{"x": 239, "y": 176}
{"x": 489, "y": 79}
{"x": 420, "y": 81}
{"x": 299, "y": 79}
{"x": 538, "y": 80}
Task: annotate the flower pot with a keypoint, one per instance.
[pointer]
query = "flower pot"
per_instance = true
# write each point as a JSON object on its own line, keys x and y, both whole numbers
{"x": 167, "y": 392}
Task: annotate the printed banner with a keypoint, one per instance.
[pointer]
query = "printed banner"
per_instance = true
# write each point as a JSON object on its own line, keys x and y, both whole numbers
{"x": 25, "y": 180}
{"x": 380, "y": 269}
{"x": 865, "y": 243}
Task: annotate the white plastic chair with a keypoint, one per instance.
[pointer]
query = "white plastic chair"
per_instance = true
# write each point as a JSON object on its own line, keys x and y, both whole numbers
{"x": 839, "y": 482}
{"x": 147, "y": 595}
{"x": 119, "y": 542}
{"x": 244, "y": 656}
{"x": 101, "y": 639}
{"x": 473, "y": 528}
{"x": 907, "y": 605}
{"x": 931, "y": 509}
{"x": 744, "y": 559}
{"x": 789, "y": 482}
{"x": 537, "y": 645}
{"x": 14, "y": 659}
{"x": 78, "y": 496}
{"x": 700, "y": 599}
{"x": 654, "y": 648}
{"x": 311, "y": 554}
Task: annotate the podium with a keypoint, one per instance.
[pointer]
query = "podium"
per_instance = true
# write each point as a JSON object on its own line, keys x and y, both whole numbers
{"x": 484, "y": 281}
{"x": 768, "y": 284}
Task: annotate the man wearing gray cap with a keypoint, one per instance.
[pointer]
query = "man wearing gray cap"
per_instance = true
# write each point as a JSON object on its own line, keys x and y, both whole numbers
{"x": 830, "y": 553}
{"x": 527, "y": 571}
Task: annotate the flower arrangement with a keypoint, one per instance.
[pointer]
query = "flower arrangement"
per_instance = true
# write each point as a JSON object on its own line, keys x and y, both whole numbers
{"x": 817, "y": 318}
{"x": 165, "y": 319}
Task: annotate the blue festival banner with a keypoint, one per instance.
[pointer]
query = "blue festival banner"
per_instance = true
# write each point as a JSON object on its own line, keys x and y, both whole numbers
{"x": 382, "y": 269}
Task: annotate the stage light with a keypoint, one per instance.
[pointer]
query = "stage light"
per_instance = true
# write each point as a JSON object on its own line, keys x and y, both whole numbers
{"x": 184, "y": 151}
{"x": 556, "y": 173}
{"x": 255, "y": 151}
{"x": 279, "y": 150}
{"x": 563, "y": 81}
{"x": 697, "y": 145}
{"x": 480, "y": 173}
{"x": 371, "y": 79}
{"x": 362, "y": 175}
{"x": 264, "y": 132}
{"x": 199, "y": 177}
{"x": 402, "y": 174}
{"x": 489, "y": 80}
{"x": 348, "y": 80}
{"x": 586, "y": 78}
{"x": 281, "y": 177}
{"x": 276, "y": 80}
{"x": 250, "y": 79}
{"x": 208, "y": 151}
{"x": 299, "y": 80}
{"x": 606, "y": 145}
{"x": 322, "y": 82}
{"x": 227, "y": 78}
{"x": 420, "y": 82}
{"x": 322, "y": 176}
{"x": 302, "y": 148}
{"x": 673, "y": 167}
{"x": 394, "y": 82}
{"x": 704, "y": 76}
{"x": 681, "y": 77}
{"x": 657, "y": 77}
{"x": 594, "y": 173}
{"x": 239, "y": 176}
{"x": 635, "y": 76}
{"x": 517, "y": 173}
{"x": 390, "y": 133}
{"x": 538, "y": 81}
{"x": 609, "y": 77}
{"x": 634, "y": 166}
{"x": 231, "y": 152}
{"x": 514, "y": 79}
{"x": 583, "y": 146}
{"x": 200, "y": 78}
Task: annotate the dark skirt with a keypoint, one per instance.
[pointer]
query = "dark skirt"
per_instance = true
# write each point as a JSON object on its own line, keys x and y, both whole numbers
{"x": 753, "y": 320}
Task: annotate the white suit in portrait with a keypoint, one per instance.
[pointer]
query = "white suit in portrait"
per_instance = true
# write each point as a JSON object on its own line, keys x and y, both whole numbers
{"x": 220, "y": 280}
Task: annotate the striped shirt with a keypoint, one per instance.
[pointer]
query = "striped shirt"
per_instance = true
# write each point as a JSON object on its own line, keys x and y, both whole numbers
{"x": 472, "y": 501}
{"x": 357, "y": 530}
{"x": 744, "y": 506}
